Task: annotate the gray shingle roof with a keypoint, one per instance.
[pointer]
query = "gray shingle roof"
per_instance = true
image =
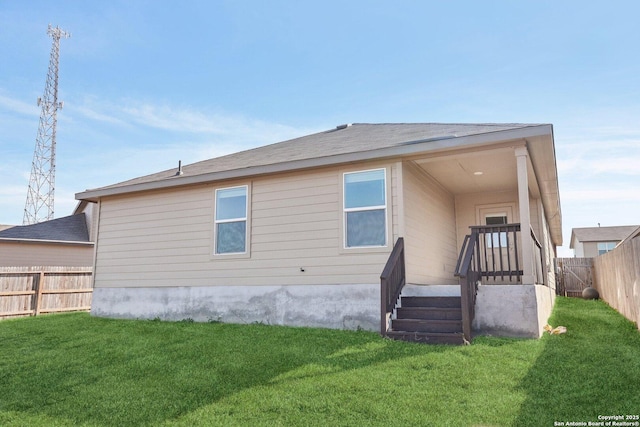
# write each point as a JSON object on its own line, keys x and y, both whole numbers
{"x": 68, "y": 229}
{"x": 355, "y": 138}
{"x": 602, "y": 234}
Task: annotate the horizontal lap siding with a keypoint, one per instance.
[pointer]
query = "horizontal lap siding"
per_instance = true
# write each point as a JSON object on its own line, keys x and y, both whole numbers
{"x": 165, "y": 238}
{"x": 430, "y": 229}
{"x": 16, "y": 254}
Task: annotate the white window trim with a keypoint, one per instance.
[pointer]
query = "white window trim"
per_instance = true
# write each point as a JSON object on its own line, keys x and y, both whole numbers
{"x": 363, "y": 209}
{"x": 246, "y": 219}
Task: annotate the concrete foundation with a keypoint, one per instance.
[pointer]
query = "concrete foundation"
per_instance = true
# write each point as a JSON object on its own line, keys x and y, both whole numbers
{"x": 513, "y": 310}
{"x": 327, "y": 306}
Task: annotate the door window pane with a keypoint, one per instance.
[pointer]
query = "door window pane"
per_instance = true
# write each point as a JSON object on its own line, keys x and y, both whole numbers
{"x": 497, "y": 239}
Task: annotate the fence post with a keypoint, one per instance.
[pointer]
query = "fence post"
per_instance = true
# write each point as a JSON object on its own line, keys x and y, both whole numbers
{"x": 38, "y": 294}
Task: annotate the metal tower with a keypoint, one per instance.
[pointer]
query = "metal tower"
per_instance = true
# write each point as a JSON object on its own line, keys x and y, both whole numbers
{"x": 39, "y": 206}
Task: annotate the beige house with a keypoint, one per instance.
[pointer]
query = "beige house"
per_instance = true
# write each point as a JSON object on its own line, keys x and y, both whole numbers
{"x": 589, "y": 242}
{"x": 299, "y": 232}
{"x": 62, "y": 241}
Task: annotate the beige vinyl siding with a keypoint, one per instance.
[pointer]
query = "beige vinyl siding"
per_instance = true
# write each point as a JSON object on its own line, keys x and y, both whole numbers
{"x": 430, "y": 229}
{"x": 165, "y": 238}
{"x": 19, "y": 254}
{"x": 589, "y": 249}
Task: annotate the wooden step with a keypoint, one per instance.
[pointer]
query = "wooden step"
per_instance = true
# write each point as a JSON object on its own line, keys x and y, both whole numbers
{"x": 435, "y": 302}
{"x": 427, "y": 337}
{"x": 420, "y": 325}
{"x": 429, "y": 313}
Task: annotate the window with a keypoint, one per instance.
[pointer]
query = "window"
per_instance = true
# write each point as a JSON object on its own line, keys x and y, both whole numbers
{"x": 231, "y": 220}
{"x": 497, "y": 240}
{"x": 604, "y": 247}
{"x": 365, "y": 208}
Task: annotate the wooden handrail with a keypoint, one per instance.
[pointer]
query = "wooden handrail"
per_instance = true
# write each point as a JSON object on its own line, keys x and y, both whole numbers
{"x": 468, "y": 277}
{"x": 464, "y": 259}
{"x": 392, "y": 280}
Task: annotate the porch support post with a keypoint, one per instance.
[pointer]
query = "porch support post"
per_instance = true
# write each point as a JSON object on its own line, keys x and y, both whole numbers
{"x": 522, "y": 156}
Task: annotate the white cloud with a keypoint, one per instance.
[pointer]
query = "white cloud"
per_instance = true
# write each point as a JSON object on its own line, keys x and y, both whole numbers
{"x": 604, "y": 166}
{"x": 187, "y": 120}
{"x": 598, "y": 195}
{"x": 91, "y": 113}
{"x": 617, "y": 165}
{"x": 18, "y": 106}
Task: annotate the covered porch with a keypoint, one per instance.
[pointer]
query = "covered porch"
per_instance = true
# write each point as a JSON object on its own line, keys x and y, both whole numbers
{"x": 503, "y": 228}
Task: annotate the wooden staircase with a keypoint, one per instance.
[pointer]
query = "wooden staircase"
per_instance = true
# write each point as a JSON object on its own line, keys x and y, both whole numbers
{"x": 431, "y": 320}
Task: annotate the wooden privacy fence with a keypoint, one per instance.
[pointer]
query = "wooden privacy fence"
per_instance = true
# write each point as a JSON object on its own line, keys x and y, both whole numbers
{"x": 29, "y": 291}
{"x": 617, "y": 277}
{"x": 574, "y": 275}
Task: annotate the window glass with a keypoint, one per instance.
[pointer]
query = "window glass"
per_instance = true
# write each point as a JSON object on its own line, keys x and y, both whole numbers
{"x": 231, "y": 220}
{"x": 231, "y": 237}
{"x": 604, "y": 247}
{"x": 497, "y": 240}
{"x": 231, "y": 203}
{"x": 363, "y": 189}
{"x": 365, "y": 221}
{"x": 366, "y": 228}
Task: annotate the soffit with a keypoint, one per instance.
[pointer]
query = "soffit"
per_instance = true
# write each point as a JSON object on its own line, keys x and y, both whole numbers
{"x": 478, "y": 172}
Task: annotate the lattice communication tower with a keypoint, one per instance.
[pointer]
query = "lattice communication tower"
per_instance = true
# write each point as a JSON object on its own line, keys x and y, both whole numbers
{"x": 39, "y": 206}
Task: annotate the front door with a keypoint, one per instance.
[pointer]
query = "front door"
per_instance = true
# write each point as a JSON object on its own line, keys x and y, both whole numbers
{"x": 499, "y": 245}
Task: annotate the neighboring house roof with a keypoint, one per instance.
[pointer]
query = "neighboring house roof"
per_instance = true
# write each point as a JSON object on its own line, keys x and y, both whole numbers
{"x": 71, "y": 228}
{"x": 601, "y": 234}
{"x": 346, "y": 143}
{"x": 635, "y": 233}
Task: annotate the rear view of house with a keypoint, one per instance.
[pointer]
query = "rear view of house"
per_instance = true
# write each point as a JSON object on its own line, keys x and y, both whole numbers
{"x": 299, "y": 232}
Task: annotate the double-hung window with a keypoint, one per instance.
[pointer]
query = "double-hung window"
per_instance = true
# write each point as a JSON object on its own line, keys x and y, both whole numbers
{"x": 365, "y": 208}
{"x": 604, "y": 247}
{"x": 230, "y": 233}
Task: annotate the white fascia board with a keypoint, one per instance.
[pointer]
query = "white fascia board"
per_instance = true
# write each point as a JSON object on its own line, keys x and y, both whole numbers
{"x": 46, "y": 242}
{"x": 405, "y": 149}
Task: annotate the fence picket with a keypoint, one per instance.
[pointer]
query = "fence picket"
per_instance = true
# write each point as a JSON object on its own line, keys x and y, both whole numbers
{"x": 574, "y": 275}
{"x": 29, "y": 291}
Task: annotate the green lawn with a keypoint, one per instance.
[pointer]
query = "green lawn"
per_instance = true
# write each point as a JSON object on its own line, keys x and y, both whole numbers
{"x": 72, "y": 369}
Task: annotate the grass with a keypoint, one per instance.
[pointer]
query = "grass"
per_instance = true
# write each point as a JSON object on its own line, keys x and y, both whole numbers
{"x": 73, "y": 369}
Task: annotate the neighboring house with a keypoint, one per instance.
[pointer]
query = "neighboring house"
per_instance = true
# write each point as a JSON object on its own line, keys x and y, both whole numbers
{"x": 59, "y": 242}
{"x": 589, "y": 242}
{"x": 298, "y": 232}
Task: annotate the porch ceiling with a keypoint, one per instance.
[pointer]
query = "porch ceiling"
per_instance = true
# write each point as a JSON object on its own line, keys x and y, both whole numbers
{"x": 478, "y": 172}
{"x": 495, "y": 169}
